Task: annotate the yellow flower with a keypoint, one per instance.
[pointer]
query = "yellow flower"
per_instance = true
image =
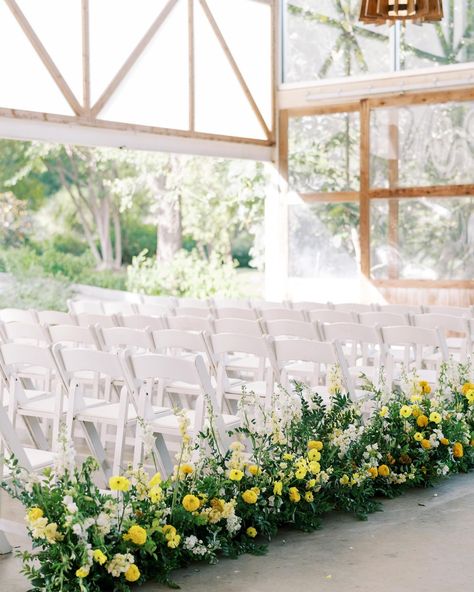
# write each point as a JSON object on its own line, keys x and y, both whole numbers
{"x": 251, "y": 532}
{"x": 416, "y": 411}
{"x": 174, "y": 541}
{"x": 458, "y": 450}
{"x": 169, "y": 531}
{"x": 119, "y": 483}
{"x": 136, "y": 534}
{"x": 82, "y": 572}
{"x": 314, "y": 467}
{"x": 309, "y": 497}
{"x": 425, "y": 387}
{"x": 155, "y": 480}
{"x": 470, "y": 396}
{"x": 237, "y": 446}
{"x": 132, "y": 574}
{"x": 249, "y": 496}
{"x": 314, "y": 454}
{"x": 422, "y": 421}
{"x": 288, "y": 456}
{"x": 435, "y": 417}
{"x": 373, "y": 473}
{"x": 416, "y": 398}
{"x": 469, "y": 386}
{"x": 301, "y": 473}
{"x": 294, "y": 494}
{"x": 254, "y": 470}
{"x": 186, "y": 469}
{"x": 34, "y": 514}
{"x": 444, "y": 441}
{"x": 383, "y": 411}
{"x": 344, "y": 480}
{"x": 99, "y": 556}
{"x": 418, "y": 436}
{"x": 277, "y": 487}
{"x": 384, "y": 471}
{"x": 315, "y": 445}
{"x": 235, "y": 475}
{"x": 191, "y": 502}
{"x": 405, "y": 411}
{"x": 426, "y": 444}
{"x": 311, "y": 483}
{"x": 51, "y": 533}
{"x": 155, "y": 494}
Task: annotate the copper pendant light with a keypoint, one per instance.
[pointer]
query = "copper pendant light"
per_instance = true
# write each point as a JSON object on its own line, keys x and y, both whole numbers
{"x": 383, "y": 11}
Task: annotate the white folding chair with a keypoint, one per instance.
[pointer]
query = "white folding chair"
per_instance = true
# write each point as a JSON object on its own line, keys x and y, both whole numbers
{"x": 286, "y": 328}
{"x": 115, "y": 307}
{"x": 167, "y": 302}
{"x": 353, "y": 307}
{"x": 248, "y": 314}
{"x": 143, "y": 372}
{"x": 243, "y": 326}
{"x": 154, "y": 310}
{"x": 332, "y": 316}
{"x": 225, "y": 346}
{"x": 229, "y": 303}
{"x": 461, "y": 345}
{"x": 55, "y": 317}
{"x": 455, "y": 311}
{"x": 404, "y": 309}
{"x": 383, "y": 319}
{"x": 18, "y": 315}
{"x": 311, "y": 305}
{"x": 193, "y": 302}
{"x": 423, "y": 349}
{"x": 74, "y": 336}
{"x": 309, "y": 361}
{"x": 113, "y": 339}
{"x": 140, "y": 321}
{"x": 238, "y": 363}
{"x": 17, "y": 332}
{"x": 288, "y": 314}
{"x": 103, "y": 320}
{"x": 81, "y": 306}
{"x": 25, "y": 398}
{"x": 266, "y": 304}
{"x": 194, "y": 311}
{"x": 190, "y": 323}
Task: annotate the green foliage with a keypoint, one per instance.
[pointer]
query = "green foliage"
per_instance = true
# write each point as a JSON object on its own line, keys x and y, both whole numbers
{"x": 41, "y": 293}
{"x": 187, "y": 275}
{"x": 136, "y": 237}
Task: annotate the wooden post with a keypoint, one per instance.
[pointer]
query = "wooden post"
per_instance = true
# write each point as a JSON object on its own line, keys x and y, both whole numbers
{"x": 393, "y": 204}
{"x": 364, "y": 199}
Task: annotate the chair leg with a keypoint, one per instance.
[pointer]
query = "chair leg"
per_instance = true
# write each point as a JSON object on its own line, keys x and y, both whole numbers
{"x": 164, "y": 458}
{"x": 5, "y": 546}
{"x": 95, "y": 445}
{"x": 36, "y": 433}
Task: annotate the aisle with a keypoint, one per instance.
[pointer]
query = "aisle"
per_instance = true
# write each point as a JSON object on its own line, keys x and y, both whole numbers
{"x": 419, "y": 543}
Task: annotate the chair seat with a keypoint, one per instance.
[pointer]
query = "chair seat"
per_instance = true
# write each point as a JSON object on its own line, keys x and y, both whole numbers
{"x": 46, "y": 406}
{"x": 38, "y": 459}
{"x": 169, "y": 424}
{"x": 234, "y": 388}
{"x": 101, "y": 412}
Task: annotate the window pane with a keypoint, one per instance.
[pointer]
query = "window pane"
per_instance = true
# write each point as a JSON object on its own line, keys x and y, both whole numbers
{"x": 323, "y": 240}
{"x": 324, "y": 152}
{"x": 435, "y": 145}
{"x": 433, "y": 239}
{"x": 324, "y": 39}
{"x": 448, "y": 42}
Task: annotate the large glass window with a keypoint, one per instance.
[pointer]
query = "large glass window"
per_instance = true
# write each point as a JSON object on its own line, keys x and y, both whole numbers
{"x": 324, "y": 39}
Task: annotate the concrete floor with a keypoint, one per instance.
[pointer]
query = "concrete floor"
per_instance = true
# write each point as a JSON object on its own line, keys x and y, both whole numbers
{"x": 421, "y": 542}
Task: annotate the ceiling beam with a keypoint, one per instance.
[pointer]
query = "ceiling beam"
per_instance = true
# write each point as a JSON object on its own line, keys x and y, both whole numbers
{"x": 44, "y": 56}
{"x": 86, "y": 66}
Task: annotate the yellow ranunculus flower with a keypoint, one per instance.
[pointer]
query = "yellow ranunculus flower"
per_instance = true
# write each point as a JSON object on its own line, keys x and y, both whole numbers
{"x": 373, "y": 473}
{"x": 311, "y": 483}
{"x": 34, "y": 514}
{"x": 155, "y": 480}
{"x": 469, "y": 386}
{"x": 82, "y": 572}
{"x": 250, "y": 497}
{"x": 99, "y": 556}
{"x": 169, "y": 531}
{"x": 458, "y": 450}
{"x": 235, "y": 475}
{"x": 254, "y": 470}
{"x": 132, "y": 574}
{"x": 344, "y": 480}
{"x": 444, "y": 441}
{"x": 425, "y": 387}
{"x": 435, "y": 417}
{"x": 309, "y": 497}
{"x": 174, "y": 541}
{"x": 383, "y": 411}
{"x": 416, "y": 398}
{"x": 277, "y": 487}
{"x": 422, "y": 421}
{"x": 314, "y": 467}
{"x": 300, "y": 473}
{"x": 294, "y": 494}
{"x": 405, "y": 411}
{"x": 426, "y": 444}
{"x": 251, "y": 532}
{"x": 416, "y": 411}
{"x": 155, "y": 494}
{"x": 136, "y": 534}
{"x": 186, "y": 469}
{"x": 191, "y": 502}
{"x": 470, "y": 396}
{"x": 315, "y": 445}
{"x": 119, "y": 483}
{"x": 418, "y": 436}
{"x": 288, "y": 456}
{"x": 314, "y": 454}
{"x": 384, "y": 471}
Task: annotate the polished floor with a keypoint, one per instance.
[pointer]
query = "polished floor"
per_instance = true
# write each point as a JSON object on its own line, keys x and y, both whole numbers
{"x": 421, "y": 542}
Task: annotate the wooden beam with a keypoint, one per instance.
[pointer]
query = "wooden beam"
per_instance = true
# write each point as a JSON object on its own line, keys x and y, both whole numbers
{"x": 235, "y": 68}
{"x": 334, "y": 197}
{"x": 86, "y": 69}
{"x": 132, "y": 58}
{"x": 437, "y": 284}
{"x": 353, "y": 107}
{"x": 364, "y": 225}
{"x": 422, "y": 98}
{"x": 44, "y": 56}
{"x": 126, "y": 127}
{"x": 191, "y": 66}
{"x": 393, "y": 208}
{"x": 283, "y": 145}
{"x": 417, "y": 192}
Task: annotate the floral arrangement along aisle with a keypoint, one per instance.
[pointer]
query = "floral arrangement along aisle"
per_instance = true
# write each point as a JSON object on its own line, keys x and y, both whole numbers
{"x": 284, "y": 467}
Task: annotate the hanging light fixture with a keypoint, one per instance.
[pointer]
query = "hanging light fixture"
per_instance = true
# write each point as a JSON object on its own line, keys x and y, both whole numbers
{"x": 382, "y": 11}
